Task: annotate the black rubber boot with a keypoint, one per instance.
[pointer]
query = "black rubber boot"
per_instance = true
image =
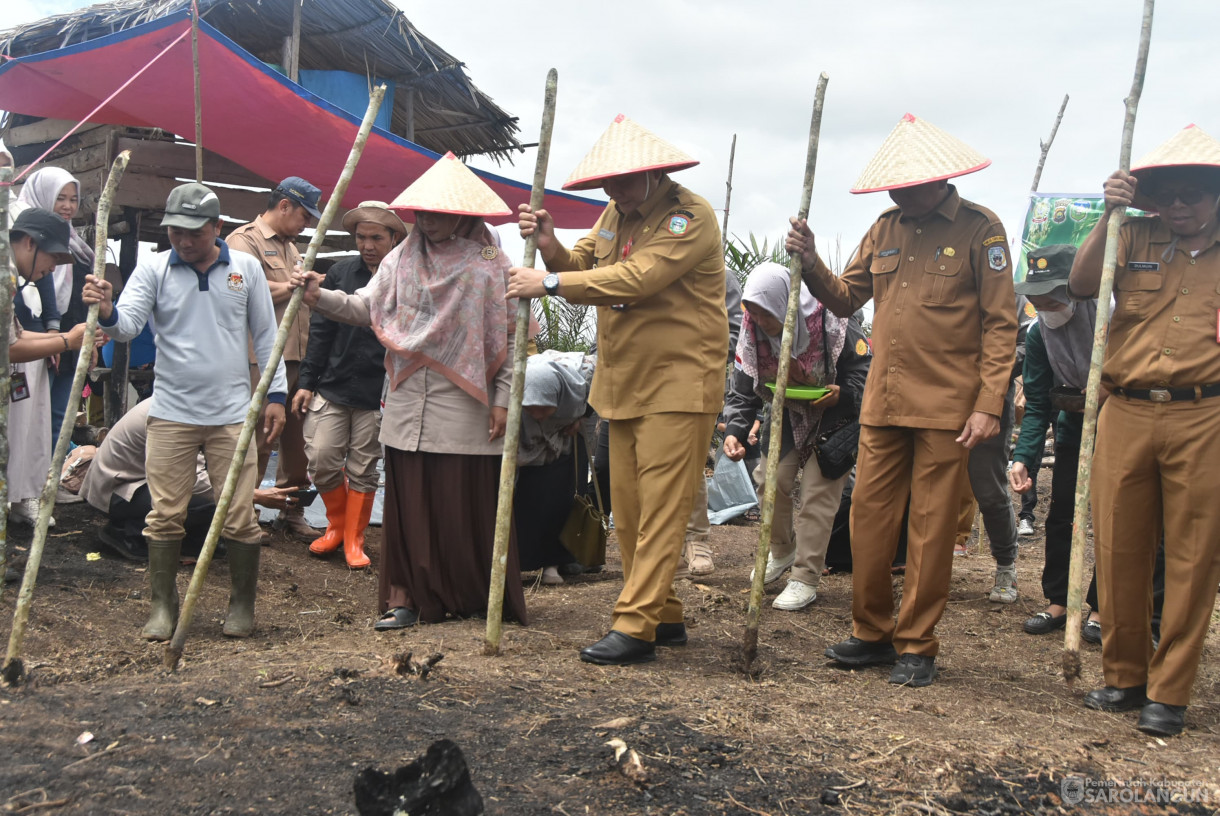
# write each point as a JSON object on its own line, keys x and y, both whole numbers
{"x": 163, "y": 578}
{"x": 243, "y": 575}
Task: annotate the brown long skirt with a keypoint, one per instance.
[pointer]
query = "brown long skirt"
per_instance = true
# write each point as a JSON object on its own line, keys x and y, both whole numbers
{"x": 438, "y": 531}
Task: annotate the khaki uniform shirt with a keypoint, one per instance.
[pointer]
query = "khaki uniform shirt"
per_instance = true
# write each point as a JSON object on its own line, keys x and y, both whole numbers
{"x": 662, "y": 349}
{"x": 944, "y": 319}
{"x": 1165, "y": 332}
{"x": 278, "y": 257}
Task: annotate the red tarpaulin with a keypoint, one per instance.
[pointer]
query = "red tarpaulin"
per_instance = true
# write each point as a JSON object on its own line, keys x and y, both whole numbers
{"x": 252, "y": 114}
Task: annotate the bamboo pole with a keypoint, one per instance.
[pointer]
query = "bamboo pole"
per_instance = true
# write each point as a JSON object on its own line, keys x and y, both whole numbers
{"x": 512, "y": 431}
{"x": 173, "y": 650}
{"x": 14, "y": 669}
{"x": 6, "y": 318}
{"x": 1080, "y": 521}
{"x": 728, "y": 196}
{"x": 1045, "y": 147}
{"x": 749, "y": 649}
{"x": 198, "y": 95}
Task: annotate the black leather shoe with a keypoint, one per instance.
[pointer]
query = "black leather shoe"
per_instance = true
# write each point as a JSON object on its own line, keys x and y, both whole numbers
{"x": 1044, "y": 623}
{"x": 617, "y": 649}
{"x": 914, "y": 670}
{"x": 400, "y": 617}
{"x": 856, "y": 652}
{"x": 1091, "y": 632}
{"x": 1162, "y": 719}
{"x": 1116, "y": 699}
{"x": 671, "y": 634}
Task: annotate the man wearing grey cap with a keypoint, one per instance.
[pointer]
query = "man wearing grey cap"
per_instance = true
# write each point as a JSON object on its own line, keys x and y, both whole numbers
{"x": 291, "y": 207}
{"x": 206, "y": 302}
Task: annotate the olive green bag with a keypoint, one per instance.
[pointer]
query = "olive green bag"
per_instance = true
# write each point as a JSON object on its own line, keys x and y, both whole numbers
{"x": 584, "y": 533}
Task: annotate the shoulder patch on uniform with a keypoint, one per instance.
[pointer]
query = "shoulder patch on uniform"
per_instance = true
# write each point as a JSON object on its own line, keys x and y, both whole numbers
{"x": 995, "y": 239}
{"x": 1143, "y": 266}
{"x": 861, "y": 348}
{"x": 678, "y": 224}
{"x": 997, "y": 258}
{"x": 236, "y": 281}
{"x": 885, "y": 253}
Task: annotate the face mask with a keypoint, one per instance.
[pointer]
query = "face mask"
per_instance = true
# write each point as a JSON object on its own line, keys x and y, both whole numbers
{"x": 1059, "y": 319}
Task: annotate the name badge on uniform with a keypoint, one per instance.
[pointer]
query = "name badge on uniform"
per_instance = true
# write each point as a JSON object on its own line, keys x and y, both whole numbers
{"x": 885, "y": 253}
{"x": 1143, "y": 266}
{"x": 605, "y": 233}
{"x": 271, "y": 252}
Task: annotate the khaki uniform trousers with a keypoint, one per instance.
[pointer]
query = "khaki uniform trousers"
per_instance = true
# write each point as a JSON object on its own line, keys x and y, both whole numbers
{"x": 893, "y": 463}
{"x": 292, "y": 468}
{"x": 810, "y": 535}
{"x": 340, "y": 440}
{"x": 170, "y": 461}
{"x": 654, "y": 462}
{"x": 698, "y": 526}
{"x": 1156, "y": 461}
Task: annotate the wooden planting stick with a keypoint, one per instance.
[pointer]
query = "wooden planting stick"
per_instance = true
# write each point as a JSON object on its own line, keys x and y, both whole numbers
{"x": 173, "y": 650}
{"x": 1080, "y": 521}
{"x": 1046, "y": 146}
{"x": 749, "y": 648}
{"x": 14, "y": 669}
{"x": 728, "y": 196}
{"x": 512, "y": 432}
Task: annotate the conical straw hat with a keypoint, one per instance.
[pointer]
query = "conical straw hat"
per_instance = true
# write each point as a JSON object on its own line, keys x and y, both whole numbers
{"x": 450, "y": 187}
{"x": 917, "y": 152}
{"x": 1189, "y": 146}
{"x": 625, "y": 147}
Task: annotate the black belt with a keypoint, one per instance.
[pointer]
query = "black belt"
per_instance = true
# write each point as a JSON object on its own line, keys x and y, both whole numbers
{"x": 1170, "y": 394}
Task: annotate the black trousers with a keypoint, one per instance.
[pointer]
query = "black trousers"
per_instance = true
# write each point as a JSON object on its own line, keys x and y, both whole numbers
{"x": 128, "y": 517}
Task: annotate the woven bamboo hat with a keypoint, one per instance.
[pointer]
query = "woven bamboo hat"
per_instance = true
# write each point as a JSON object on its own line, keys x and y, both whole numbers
{"x": 625, "y": 147}
{"x": 917, "y": 152}
{"x": 1189, "y": 148}
{"x": 374, "y": 212}
{"x": 451, "y": 187}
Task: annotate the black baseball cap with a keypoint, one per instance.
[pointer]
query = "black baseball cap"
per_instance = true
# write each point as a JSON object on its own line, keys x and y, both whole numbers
{"x": 49, "y": 231}
{"x": 1049, "y": 267}
{"x": 300, "y": 191}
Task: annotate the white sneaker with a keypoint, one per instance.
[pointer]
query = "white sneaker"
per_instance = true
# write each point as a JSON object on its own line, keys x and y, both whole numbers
{"x": 26, "y": 511}
{"x": 797, "y": 595}
{"x": 775, "y": 568}
{"x": 1025, "y": 527}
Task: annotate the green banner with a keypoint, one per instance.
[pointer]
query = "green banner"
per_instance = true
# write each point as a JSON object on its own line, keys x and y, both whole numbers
{"x": 1055, "y": 218}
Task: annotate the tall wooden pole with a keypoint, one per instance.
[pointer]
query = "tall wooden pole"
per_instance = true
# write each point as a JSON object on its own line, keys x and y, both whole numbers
{"x": 728, "y": 196}
{"x": 6, "y": 318}
{"x": 198, "y": 95}
{"x": 1046, "y": 146}
{"x": 512, "y": 432}
{"x": 749, "y": 649}
{"x": 173, "y": 650}
{"x": 14, "y": 669}
{"x": 1080, "y": 521}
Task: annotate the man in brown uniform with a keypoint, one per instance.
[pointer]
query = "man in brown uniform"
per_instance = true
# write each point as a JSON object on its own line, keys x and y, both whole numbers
{"x": 653, "y": 263}
{"x": 270, "y": 238}
{"x": 1158, "y": 435}
{"x": 944, "y": 340}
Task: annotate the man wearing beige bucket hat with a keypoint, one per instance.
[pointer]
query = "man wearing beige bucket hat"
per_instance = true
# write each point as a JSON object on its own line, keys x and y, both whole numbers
{"x": 339, "y": 392}
{"x": 944, "y": 340}
{"x": 653, "y": 262}
{"x": 1158, "y": 435}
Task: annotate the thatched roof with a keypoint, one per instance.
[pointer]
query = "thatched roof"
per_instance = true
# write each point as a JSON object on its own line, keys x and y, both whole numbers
{"x": 371, "y": 37}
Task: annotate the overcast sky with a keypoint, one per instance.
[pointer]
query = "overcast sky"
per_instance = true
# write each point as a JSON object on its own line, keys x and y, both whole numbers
{"x": 695, "y": 72}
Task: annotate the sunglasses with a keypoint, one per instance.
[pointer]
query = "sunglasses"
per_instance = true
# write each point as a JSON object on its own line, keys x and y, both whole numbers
{"x": 1187, "y": 195}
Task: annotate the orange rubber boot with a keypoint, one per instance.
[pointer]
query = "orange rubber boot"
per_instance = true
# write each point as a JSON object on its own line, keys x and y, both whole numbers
{"x": 336, "y": 513}
{"x": 359, "y": 510}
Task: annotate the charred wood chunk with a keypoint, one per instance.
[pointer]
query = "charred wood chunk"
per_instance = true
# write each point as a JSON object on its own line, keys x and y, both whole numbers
{"x": 436, "y": 784}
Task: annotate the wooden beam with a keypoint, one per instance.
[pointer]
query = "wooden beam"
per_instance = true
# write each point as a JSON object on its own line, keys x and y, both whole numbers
{"x": 294, "y": 67}
{"x": 148, "y": 192}
{"x": 409, "y": 104}
{"x": 177, "y": 160}
{"x": 45, "y": 130}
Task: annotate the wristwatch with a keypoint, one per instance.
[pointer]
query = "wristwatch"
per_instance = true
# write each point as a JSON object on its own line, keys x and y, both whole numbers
{"x": 551, "y": 284}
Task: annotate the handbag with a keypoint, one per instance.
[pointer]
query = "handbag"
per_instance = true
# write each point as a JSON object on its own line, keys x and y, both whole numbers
{"x": 585, "y": 531}
{"x": 835, "y": 448}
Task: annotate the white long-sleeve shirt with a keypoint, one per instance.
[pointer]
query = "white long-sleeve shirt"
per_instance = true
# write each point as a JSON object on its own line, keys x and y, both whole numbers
{"x": 203, "y": 321}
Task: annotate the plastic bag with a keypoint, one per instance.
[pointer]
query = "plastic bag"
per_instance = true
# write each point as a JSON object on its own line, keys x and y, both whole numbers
{"x": 730, "y": 491}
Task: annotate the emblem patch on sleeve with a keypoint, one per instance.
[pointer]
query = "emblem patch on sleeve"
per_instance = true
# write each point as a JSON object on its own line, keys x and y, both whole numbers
{"x": 1030, "y": 311}
{"x": 678, "y": 225}
{"x": 861, "y": 348}
{"x": 235, "y": 281}
{"x": 997, "y": 258}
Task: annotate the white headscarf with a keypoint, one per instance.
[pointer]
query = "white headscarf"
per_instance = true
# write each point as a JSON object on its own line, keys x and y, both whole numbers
{"x": 40, "y": 190}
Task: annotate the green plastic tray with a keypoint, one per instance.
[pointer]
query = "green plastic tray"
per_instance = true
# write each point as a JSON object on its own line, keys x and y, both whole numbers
{"x": 802, "y": 392}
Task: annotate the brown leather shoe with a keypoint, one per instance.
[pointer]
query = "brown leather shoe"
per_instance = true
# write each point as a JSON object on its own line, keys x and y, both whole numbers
{"x": 293, "y": 521}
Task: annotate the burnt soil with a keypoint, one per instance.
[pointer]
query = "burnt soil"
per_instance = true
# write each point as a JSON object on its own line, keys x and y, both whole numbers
{"x": 282, "y": 722}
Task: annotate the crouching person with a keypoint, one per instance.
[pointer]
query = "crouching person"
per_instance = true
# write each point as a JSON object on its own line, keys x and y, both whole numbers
{"x": 205, "y": 301}
{"x": 340, "y": 392}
